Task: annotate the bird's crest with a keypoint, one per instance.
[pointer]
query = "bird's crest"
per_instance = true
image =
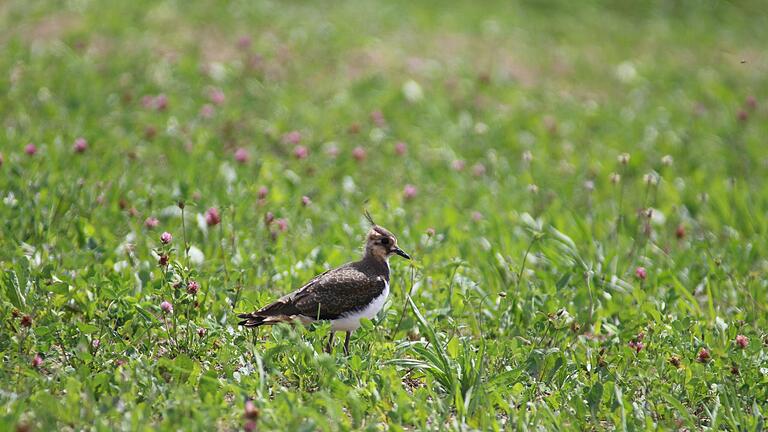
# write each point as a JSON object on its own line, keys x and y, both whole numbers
{"x": 369, "y": 218}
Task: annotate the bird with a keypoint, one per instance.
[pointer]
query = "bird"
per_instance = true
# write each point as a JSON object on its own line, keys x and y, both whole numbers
{"x": 343, "y": 295}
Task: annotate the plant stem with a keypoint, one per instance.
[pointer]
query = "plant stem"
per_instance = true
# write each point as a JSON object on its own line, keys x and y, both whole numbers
{"x": 184, "y": 234}
{"x": 620, "y": 207}
{"x": 591, "y": 297}
{"x": 222, "y": 239}
{"x": 450, "y": 287}
{"x": 406, "y": 296}
{"x": 525, "y": 258}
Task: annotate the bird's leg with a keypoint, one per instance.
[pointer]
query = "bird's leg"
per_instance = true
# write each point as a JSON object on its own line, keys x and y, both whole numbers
{"x": 346, "y": 343}
{"x": 329, "y": 345}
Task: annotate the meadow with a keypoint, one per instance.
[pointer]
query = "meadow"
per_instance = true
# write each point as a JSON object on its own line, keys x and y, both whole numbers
{"x": 581, "y": 185}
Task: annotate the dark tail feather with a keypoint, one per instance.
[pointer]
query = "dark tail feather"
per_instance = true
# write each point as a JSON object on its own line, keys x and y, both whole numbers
{"x": 278, "y": 311}
{"x": 250, "y": 320}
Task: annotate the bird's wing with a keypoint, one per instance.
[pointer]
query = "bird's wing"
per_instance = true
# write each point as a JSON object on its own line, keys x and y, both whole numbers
{"x": 339, "y": 291}
{"x": 285, "y": 305}
{"x": 327, "y": 296}
{"x": 281, "y": 310}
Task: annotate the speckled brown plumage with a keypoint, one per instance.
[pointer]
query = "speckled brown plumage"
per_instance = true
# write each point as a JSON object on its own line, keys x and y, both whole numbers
{"x": 329, "y": 295}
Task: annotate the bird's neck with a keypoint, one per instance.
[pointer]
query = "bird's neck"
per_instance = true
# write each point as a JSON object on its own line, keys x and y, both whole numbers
{"x": 377, "y": 262}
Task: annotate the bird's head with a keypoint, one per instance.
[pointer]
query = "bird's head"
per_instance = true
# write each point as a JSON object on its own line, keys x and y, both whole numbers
{"x": 382, "y": 244}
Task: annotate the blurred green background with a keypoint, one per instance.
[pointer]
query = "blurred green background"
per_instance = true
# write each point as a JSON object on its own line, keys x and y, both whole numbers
{"x": 487, "y": 135}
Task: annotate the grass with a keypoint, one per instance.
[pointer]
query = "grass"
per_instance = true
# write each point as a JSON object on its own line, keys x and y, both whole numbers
{"x": 525, "y": 306}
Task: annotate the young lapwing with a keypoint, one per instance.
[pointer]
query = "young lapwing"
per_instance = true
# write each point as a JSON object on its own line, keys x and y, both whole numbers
{"x": 343, "y": 295}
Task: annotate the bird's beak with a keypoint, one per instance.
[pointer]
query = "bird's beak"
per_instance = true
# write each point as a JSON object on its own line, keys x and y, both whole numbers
{"x": 401, "y": 253}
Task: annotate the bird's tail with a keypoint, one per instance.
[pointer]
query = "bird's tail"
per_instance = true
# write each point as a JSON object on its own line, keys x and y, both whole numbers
{"x": 282, "y": 310}
{"x": 251, "y": 320}
{"x": 257, "y": 319}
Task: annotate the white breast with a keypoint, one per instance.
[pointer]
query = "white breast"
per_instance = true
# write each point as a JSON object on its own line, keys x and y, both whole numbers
{"x": 351, "y": 321}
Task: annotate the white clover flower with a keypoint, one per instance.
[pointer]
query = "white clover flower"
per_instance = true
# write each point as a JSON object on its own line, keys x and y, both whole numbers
{"x": 626, "y": 72}
{"x": 412, "y": 91}
{"x": 651, "y": 179}
{"x": 623, "y": 158}
{"x": 196, "y": 256}
{"x": 527, "y": 156}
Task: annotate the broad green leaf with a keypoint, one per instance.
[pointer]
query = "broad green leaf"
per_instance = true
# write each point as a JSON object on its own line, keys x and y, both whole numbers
{"x": 13, "y": 290}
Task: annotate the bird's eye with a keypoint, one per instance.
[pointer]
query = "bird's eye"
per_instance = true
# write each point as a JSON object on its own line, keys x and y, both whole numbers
{"x": 385, "y": 241}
